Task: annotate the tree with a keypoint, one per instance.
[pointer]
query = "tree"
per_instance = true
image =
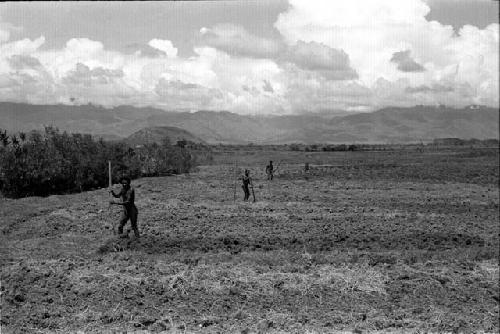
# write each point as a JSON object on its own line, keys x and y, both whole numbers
{"x": 4, "y": 138}
{"x": 182, "y": 143}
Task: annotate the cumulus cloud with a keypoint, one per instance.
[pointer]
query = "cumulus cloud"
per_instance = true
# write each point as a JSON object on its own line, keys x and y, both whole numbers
{"x": 83, "y": 75}
{"x": 85, "y": 71}
{"x": 23, "y": 46}
{"x": 144, "y": 50}
{"x": 165, "y": 46}
{"x": 405, "y": 62}
{"x": 354, "y": 55}
{"x": 373, "y": 32}
{"x": 236, "y": 40}
{"x": 18, "y": 62}
{"x": 332, "y": 63}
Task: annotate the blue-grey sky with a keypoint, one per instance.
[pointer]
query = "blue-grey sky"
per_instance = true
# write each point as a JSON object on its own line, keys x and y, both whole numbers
{"x": 273, "y": 56}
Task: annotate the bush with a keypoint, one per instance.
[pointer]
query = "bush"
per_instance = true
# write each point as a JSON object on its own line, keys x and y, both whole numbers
{"x": 164, "y": 159}
{"x": 51, "y": 162}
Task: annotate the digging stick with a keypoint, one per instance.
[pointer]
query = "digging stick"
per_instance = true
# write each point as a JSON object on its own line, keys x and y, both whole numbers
{"x": 253, "y": 194}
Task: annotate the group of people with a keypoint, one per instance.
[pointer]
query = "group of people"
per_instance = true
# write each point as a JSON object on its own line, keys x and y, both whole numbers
{"x": 130, "y": 212}
{"x": 247, "y": 180}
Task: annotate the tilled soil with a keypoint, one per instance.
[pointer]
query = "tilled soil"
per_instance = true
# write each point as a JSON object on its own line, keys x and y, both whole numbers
{"x": 314, "y": 254}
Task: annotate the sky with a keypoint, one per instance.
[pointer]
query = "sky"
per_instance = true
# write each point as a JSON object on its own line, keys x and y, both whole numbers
{"x": 251, "y": 57}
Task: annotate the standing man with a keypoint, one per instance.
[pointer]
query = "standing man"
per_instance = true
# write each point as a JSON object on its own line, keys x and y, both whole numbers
{"x": 270, "y": 170}
{"x": 247, "y": 180}
{"x": 127, "y": 196}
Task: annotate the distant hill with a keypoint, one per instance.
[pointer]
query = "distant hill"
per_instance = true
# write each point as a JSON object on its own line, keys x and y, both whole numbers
{"x": 158, "y": 133}
{"x": 388, "y": 125}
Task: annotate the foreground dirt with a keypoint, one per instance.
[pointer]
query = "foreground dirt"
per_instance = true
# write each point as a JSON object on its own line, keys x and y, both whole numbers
{"x": 314, "y": 254}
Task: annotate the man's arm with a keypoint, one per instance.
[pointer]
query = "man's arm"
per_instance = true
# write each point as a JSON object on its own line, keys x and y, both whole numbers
{"x": 115, "y": 195}
{"x": 129, "y": 198}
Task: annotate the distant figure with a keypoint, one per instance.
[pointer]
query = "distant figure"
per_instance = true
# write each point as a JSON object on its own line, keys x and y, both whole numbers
{"x": 127, "y": 196}
{"x": 306, "y": 167}
{"x": 247, "y": 180}
{"x": 270, "y": 171}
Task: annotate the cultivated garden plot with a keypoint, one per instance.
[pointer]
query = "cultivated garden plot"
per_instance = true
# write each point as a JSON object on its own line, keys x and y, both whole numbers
{"x": 375, "y": 243}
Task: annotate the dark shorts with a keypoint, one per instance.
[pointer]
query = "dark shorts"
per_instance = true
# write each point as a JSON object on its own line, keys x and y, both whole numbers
{"x": 130, "y": 213}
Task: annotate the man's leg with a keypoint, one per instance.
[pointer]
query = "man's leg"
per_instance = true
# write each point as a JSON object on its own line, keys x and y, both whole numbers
{"x": 123, "y": 221}
{"x": 133, "y": 222}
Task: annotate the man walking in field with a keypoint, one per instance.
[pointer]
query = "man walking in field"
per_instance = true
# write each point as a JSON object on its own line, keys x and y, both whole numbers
{"x": 247, "y": 180}
{"x": 127, "y": 196}
{"x": 270, "y": 171}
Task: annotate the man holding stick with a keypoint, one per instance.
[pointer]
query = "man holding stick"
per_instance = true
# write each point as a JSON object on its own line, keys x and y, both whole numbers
{"x": 127, "y": 196}
{"x": 247, "y": 180}
{"x": 270, "y": 171}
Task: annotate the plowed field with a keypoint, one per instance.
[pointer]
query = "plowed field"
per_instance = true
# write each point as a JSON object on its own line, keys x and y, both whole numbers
{"x": 379, "y": 243}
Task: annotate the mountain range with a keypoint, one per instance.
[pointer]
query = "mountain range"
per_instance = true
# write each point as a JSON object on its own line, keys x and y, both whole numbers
{"x": 387, "y": 125}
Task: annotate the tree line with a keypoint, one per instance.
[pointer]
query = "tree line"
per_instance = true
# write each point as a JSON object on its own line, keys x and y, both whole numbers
{"x": 42, "y": 163}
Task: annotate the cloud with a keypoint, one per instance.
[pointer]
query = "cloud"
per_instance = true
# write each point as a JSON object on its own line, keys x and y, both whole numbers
{"x": 18, "y": 62}
{"x": 143, "y": 50}
{"x": 373, "y": 32}
{"x": 332, "y": 63}
{"x": 330, "y": 55}
{"x": 85, "y": 71}
{"x": 308, "y": 91}
{"x": 21, "y": 47}
{"x": 165, "y": 46}
{"x": 436, "y": 88}
{"x": 181, "y": 95}
{"x": 28, "y": 84}
{"x": 405, "y": 62}
{"x": 235, "y": 40}
{"x": 83, "y": 75}
{"x": 80, "y": 46}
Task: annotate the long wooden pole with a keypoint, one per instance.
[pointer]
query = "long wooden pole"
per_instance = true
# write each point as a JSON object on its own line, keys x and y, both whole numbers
{"x": 235, "y": 177}
{"x": 110, "y": 182}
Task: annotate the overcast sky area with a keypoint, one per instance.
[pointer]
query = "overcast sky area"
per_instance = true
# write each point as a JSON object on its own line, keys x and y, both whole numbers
{"x": 251, "y": 57}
